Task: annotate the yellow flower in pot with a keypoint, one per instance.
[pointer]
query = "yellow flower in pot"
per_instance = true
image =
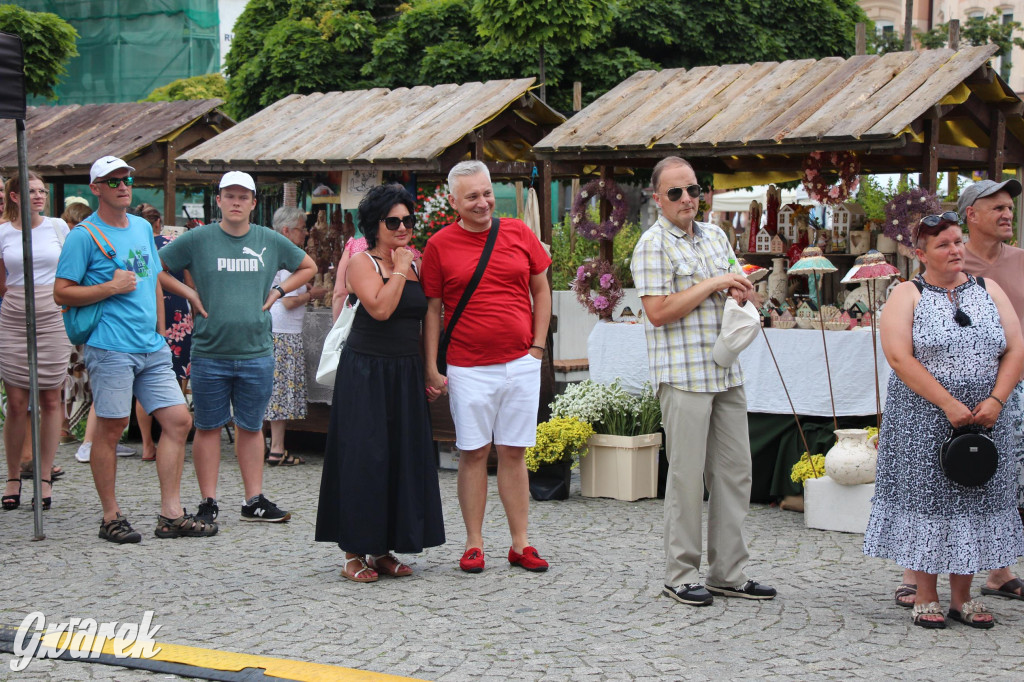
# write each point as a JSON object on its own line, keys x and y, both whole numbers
{"x": 562, "y": 439}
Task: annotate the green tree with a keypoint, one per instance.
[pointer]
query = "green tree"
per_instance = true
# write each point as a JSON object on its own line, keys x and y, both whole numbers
{"x": 48, "y": 43}
{"x": 209, "y": 86}
{"x": 573, "y": 24}
{"x": 283, "y": 47}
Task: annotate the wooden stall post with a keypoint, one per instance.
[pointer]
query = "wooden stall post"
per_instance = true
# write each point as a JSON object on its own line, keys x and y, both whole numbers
{"x": 606, "y": 250}
{"x": 574, "y": 186}
{"x": 862, "y": 38}
{"x": 954, "y": 34}
{"x": 170, "y": 185}
{"x": 908, "y": 27}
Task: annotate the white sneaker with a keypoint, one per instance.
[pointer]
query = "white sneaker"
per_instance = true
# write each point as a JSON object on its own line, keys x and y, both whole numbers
{"x": 84, "y": 451}
{"x": 125, "y": 451}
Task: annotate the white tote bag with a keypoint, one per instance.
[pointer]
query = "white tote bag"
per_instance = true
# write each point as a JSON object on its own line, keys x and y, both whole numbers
{"x": 333, "y": 344}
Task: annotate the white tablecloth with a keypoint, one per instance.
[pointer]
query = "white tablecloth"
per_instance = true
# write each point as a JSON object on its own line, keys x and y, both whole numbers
{"x": 802, "y": 360}
{"x": 617, "y": 350}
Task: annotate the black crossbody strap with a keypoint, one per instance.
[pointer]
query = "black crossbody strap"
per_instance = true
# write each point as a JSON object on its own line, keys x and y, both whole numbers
{"x": 470, "y": 288}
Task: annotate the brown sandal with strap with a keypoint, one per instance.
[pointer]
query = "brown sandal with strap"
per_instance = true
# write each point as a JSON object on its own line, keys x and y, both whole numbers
{"x": 185, "y": 526}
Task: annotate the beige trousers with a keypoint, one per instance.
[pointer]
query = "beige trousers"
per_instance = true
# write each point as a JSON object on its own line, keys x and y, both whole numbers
{"x": 707, "y": 444}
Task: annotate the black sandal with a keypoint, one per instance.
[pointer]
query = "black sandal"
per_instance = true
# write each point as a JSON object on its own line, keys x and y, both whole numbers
{"x": 283, "y": 459}
{"x": 11, "y": 502}
{"x": 46, "y": 500}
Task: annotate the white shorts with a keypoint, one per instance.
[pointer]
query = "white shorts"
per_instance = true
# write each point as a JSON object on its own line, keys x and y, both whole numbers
{"x": 495, "y": 403}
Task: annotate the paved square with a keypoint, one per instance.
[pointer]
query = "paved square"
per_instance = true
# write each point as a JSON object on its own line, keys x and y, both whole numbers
{"x": 268, "y": 589}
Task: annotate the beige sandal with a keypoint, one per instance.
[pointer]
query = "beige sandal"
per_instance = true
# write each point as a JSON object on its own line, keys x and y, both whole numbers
{"x": 393, "y": 567}
{"x": 358, "y": 576}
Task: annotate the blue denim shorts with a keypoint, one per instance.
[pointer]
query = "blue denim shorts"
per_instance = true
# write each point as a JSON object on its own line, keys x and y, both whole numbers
{"x": 222, "y": 387}
{"x": 114, "y": 376}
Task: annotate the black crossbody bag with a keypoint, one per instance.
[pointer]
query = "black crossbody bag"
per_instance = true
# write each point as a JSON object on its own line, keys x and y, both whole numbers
{"x": 446, "y": 337}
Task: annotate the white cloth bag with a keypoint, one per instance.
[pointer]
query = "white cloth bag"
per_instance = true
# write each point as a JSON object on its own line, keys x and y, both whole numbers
{"x": 333, "y": 344}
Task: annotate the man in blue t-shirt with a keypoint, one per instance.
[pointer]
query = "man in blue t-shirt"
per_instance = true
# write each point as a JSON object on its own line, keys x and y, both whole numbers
{"x": 233, "y": 264}
{"x": 125, "y": 353}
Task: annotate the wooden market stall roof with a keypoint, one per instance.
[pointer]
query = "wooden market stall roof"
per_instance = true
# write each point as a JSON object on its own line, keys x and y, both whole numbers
{"x": 63, "y": 141}
{"x": 900, "y": 112}
{"x": 424, "y": 128}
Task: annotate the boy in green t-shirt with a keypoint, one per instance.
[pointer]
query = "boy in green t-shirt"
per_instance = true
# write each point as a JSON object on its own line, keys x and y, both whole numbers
{"x": 233, "y": 264}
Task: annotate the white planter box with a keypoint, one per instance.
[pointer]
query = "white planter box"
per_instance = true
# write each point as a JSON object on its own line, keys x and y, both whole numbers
{"x": 831, "y": 506}
{"x": 621, "y": 467}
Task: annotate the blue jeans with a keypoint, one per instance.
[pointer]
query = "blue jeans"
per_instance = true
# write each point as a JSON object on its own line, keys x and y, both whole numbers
{"x": 220, "y": 387}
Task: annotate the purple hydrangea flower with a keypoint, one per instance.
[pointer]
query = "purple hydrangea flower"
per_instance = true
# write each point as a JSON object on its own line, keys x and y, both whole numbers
{"x": 606, "y": 280}
{"x": 600, "y": 302}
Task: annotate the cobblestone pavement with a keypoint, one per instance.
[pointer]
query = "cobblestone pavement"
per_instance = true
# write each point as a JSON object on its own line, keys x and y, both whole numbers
{"x": 268, "y": 589}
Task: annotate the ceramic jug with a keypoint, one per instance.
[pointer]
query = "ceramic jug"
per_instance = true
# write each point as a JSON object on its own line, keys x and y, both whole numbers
{"x": 778, "y": 280}
{"x": 852, "y": 459}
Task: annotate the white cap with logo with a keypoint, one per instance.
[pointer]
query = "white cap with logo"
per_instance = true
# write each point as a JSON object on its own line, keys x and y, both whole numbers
{"x": 238, "y": 178}
{"x": 105, "y": 166}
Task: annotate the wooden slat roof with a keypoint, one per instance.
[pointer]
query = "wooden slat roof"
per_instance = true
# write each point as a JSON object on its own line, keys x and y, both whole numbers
{"x": 866, "y": 102}
{"x": 65, "y": 140}
{"x": 401, "y": 128}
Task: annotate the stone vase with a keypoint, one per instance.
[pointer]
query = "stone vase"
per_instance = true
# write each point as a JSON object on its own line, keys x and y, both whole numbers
{"x": 852, "y": 460}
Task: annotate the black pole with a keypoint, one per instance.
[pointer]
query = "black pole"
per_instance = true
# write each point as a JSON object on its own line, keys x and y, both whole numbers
{"x": 30, "y": 327}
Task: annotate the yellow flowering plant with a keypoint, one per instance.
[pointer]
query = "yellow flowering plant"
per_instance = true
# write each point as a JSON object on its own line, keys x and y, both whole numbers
{"x": 559, "y": 439}
{"x": 808, "y": 467}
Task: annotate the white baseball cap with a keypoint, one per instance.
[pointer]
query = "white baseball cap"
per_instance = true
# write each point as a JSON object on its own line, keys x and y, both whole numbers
{"x": 105, "y": 166}
{"x": 238, "y": 178}
{"x": 739, "y": 327}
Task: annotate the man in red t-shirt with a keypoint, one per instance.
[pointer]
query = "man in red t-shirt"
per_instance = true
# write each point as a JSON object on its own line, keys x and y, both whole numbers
{"x": 494, "y": 354}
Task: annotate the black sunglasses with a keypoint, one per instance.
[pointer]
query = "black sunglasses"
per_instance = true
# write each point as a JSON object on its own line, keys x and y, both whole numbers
{"x": 676, "y": 193}
{"x": 393, "y": 223}
{"x": 114, "y": 183}
{"x": 934, "y": 220}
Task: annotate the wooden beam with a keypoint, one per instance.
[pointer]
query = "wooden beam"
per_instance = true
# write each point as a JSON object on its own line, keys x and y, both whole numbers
{"x": 930, "y": 157}
{"x": 545, "y": 202}
{"x": 997, "y": 137}
{"x": 861, "y": 38}
{"x": 605, "y": 209}
{"x": 170, "y": 184}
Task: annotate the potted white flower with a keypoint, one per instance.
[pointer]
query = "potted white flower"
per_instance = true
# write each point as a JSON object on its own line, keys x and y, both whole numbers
{"x": 623, "y": 452}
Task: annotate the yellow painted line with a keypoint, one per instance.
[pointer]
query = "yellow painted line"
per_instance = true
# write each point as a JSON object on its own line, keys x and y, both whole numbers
{"x": 224, "y": 660}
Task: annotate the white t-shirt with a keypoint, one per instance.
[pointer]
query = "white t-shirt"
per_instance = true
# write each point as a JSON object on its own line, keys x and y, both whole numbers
{"x": 46, "y": 248}
{"x": 286, "y": 321}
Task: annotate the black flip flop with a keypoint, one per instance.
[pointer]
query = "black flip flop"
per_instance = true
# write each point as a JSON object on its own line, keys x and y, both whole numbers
{"x": 1007, "y": 590}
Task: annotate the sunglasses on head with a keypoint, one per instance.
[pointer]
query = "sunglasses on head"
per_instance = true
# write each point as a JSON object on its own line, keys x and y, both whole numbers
{"x": 676, "y": 193}
{"x": 393, "y": 223}
{"x": 114, "y": 183}
{"x": 934, "y": 220}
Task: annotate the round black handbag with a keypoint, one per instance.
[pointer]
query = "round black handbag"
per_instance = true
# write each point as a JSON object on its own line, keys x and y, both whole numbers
{"x": 968, "y": 457}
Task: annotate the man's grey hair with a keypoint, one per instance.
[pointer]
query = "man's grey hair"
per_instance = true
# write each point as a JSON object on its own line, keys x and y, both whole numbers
{"x": 288, "y": 216}
{"x": 464, "y": 169}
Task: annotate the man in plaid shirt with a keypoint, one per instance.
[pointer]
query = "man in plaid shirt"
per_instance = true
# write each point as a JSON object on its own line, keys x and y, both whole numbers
{"x": 684, "y": 271}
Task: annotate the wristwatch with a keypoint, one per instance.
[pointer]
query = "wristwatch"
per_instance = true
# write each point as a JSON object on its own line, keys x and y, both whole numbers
{"x": 279, "y": 290}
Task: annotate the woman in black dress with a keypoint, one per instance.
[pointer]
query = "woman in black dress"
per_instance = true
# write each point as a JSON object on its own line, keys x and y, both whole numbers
{"x": 379, "y": 490}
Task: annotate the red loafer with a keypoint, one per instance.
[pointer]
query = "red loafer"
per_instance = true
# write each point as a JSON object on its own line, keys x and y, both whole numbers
{"x": 529, "y": 559}
{"x": 472, "y": 561}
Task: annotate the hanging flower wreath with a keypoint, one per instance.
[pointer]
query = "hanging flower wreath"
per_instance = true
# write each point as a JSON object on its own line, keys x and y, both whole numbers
{"x": 597, "y": 288}
{"x": 609, "y": 191}
{"x": 904, "y": 211}
{"x": 819, "y": 188}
